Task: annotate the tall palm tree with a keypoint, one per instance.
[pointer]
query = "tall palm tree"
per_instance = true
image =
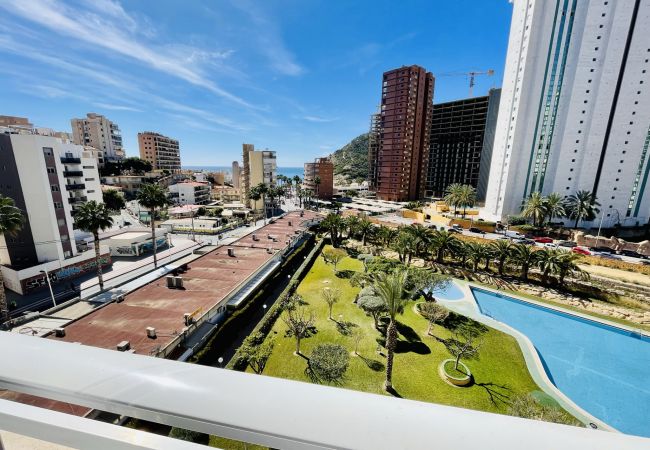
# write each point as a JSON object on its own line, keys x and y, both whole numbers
{"x": 534, "y": 208}
{"x": 453, "y": 196}
{"x": 390, "y": 288}
{"x": 404, "y": 245}
{"x": 93, "y": 217}
{"x": 11, "y": 221}
{"x": 466, "y": 197}
{"x": 548, "y": 261}
{"x": 462, "y": 253}
{"x": 553, "y": 206}
{"x": 442, "y": 242}
{"x": 477, "y": 253}
{"x": 582, "y": 206}
{"x": 525, "y": 256}
{"x": 152, "y": 196}
{"x": 317, "y": 182}
{"x": 351, "y": 223}
{"x": 263, "y": 190}
{"x": 502, "y": 250}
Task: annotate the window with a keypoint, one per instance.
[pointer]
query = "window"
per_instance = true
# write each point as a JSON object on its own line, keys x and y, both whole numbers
{"x": 51, "y": 170}
{"x": 89, "y": 167}
{"x": 65, "y": 238}
{"x": 89, "y": 179}
{"x": 47, "y": 151}
{"x": 61, "y": 222}
{"x": 91, "y": 191}
{"x": 58, "y": 205}
{"x": 55, "y": 188}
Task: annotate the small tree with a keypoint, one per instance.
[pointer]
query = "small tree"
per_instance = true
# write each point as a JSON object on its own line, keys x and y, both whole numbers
{"x": 334, "y": 256}
{"x": 434, "y": 313}
{"x": 329, "y": 362}
{"x": 256, "y": 354}
{"x": 113, "y": 199}
{"x": 464, "y": 344}
{"x": 372, "y": 304}
{"x": 357, "y": 337}
{"x": 331, "y": 296}
{"x": 300, "y": 324}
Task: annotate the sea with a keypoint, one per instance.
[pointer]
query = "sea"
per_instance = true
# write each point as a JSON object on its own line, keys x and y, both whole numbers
{"x": 286, "y": 171}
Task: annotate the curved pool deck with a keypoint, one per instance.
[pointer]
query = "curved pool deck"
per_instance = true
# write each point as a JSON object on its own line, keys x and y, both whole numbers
{"x": 594, "y": 369}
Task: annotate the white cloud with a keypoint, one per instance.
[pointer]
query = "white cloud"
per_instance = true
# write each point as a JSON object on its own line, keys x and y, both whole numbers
{"x": 320, "y": 119}
{"x": 106, "y": 25}
{"x": 116, "y": 107}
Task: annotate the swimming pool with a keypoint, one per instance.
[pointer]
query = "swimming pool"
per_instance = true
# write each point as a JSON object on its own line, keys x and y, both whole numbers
{"x": 451, "y": 291}
{"x": 605, "y": 370}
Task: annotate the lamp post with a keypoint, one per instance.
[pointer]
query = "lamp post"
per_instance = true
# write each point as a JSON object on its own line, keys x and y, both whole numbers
{"x": 220, "y": 361}
{"x": 602, "y": 216}
{"x": 47, "y": 277}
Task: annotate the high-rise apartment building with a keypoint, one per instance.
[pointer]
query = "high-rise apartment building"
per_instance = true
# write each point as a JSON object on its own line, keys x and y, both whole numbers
{"x": 401, "y": 162}
{"x": 462, "y": 133}
{"x": 319, "y": 178}
{"x": 575, "y": 108}
{"x": 99, "y": 132}
{"x": 236, "y": 174}
{"x": 16, "y": 122}
{"x": 259, "y": 167}
{"x": 161, "y": 151}
{"x": 374, "y": 138}
{"x": 47, "y": 179}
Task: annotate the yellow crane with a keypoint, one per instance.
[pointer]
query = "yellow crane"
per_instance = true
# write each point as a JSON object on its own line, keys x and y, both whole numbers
{"x": 471, "y": 75}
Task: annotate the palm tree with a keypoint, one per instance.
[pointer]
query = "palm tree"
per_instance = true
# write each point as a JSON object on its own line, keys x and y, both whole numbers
{"x": 263, "y": 190}
{"x": 462, "y": 252}
{"x": 334, "y": 224}
{"x": 317, "y": 182}
{"x": 477, "y": 253}
{"x": 466, "y": 197}
{"x": 421, "y": 236}
{"x": 548, "y": 261}
{"x": 386, "y": 234}
{"x": 534, "y": 208}
{"x": 554, "y": 206}
{"x": 390, "y": 288}
{"x": 453, "y": 196}
{"x": 567, "y": 265}
{"x": 404, "y": 245}
{"x": 365, "y": 229}
{"x": 351, "y": 223}
{"x": 525, "y": 256}
{"x": 581, "y": 206}
{"x": 442, "y": 241}
{"x": 255, "y": 195}
{"x": 93, "y": 217}
{"x": 152, "y": 196}
{"x": 11, "y": 221}
{"x": 502, "y": 250}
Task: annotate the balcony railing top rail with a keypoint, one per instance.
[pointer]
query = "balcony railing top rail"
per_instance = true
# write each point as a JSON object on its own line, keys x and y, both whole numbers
{"x": 269, "y": 411}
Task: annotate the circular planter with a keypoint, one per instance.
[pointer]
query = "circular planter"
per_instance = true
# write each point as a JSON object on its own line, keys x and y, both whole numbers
{"x": 455, "y": 379}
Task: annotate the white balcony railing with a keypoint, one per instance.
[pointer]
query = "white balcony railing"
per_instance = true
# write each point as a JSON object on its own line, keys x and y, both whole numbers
{"x": 270, "y": 411}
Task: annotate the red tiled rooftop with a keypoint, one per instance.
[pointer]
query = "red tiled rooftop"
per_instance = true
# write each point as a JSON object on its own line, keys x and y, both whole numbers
{"x": 206, "y": 283}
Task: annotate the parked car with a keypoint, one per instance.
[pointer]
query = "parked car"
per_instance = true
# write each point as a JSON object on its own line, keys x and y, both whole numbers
{"x": 581, "y": 251}
{"x": 543, "y": 240}
{"x": 455, "y": 230}
{"x": 602, "y": 250}
{"x": 549, "y": 245}
{"x": 524, "y": 241}
{"x": 457, "y": 227}
{"x": 608, "y": 256}
{"x": 569, "y": 244}
{"x": 514, "y": 235}
{"x": 476, "y": 230}
{"x": 632, "y": 254}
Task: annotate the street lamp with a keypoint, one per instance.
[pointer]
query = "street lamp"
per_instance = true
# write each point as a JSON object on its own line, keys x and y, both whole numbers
{"x": 47, "y": 277}
{"x": 220, "y": 361}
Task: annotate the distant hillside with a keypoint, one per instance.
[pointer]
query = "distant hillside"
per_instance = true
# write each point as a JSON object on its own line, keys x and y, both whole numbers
{"x": 351, "y": 160}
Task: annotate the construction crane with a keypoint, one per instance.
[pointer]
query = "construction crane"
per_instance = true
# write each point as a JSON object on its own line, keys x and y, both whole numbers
{"x": 471, "y": 76}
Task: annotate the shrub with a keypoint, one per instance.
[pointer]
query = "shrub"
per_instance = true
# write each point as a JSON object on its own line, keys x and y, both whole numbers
{"x": 329, "y": 362}
{"x": 517, "y": 220}
{"x": 189, "y": 435}
{"x": 528, "y": 407}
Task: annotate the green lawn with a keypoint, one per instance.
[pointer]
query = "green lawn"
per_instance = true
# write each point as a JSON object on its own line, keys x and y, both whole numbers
{"x": 499, "y": 373}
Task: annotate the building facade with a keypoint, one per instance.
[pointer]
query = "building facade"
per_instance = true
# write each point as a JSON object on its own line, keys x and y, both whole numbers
{"x": 323, "y": 170}
{"x": 259, "y": 167}
{"x": 461, "y": 143}
{"x": 97, "y": 131}
{"x": 236, "y": 175}
{"x": 400, "y": 164}
{"x": 161, "y": 151}
{"x": 190, "y": 193}
{"x": 47, "y": 179}
{"x": 575, "y": 108}
{"x": 16, "y": 122}
{"x": 374, "y": 138}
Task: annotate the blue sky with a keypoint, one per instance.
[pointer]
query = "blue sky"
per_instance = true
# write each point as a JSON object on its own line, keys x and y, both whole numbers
{"x": 297, "y": 76}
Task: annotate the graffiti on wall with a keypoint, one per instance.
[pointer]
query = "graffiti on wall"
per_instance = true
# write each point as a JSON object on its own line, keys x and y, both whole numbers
{"x": 148, "y": 246}
{"x": 64, "y": 273}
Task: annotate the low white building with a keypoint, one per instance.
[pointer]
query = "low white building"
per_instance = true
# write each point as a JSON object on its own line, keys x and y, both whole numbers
{"x": 135, "y": 243}
{"x": 190, "y": 193}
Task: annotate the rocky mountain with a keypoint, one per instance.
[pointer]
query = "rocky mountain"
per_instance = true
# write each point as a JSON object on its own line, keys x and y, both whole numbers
{"x": 351, "y": 161}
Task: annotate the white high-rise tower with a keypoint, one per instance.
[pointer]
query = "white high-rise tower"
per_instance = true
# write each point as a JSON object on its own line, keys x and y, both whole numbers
{"x": 575, "y": 108}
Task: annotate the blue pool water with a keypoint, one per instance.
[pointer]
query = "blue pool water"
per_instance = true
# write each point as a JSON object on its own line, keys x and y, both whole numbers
{"x": 605, "y": 370}
{"x": 450, "y": 292}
